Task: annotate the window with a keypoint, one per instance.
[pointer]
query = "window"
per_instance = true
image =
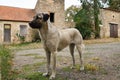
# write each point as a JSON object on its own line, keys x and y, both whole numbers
{"x": 23, "y": 30}
{"x": 52, "y": 17}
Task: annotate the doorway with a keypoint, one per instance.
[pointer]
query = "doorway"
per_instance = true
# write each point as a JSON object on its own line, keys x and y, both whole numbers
{"x": 114, "y": 30}
{"x": 7, "y": 33}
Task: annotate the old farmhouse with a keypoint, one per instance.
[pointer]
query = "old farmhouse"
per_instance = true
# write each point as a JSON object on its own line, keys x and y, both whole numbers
{"x": 110, "y": 20}
{"x": 14, "y": 21}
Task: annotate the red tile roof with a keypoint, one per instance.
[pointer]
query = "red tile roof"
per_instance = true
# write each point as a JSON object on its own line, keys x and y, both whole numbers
{"x": 111, "y": 9}
{"x": 16, "y": 14}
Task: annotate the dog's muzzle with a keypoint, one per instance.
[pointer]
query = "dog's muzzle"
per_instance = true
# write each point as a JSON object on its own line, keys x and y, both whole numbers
{"x": 35, "y": 25}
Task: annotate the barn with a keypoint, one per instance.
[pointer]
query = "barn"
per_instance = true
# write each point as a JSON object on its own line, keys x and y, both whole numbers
{"x": 15, "y": 20}
{"x": 110, "y": 23}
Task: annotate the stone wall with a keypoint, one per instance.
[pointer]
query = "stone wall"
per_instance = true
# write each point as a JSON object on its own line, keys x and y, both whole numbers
{"x": 15, "y": 28}
{"x": 107, "y": 17}
{"x": 53, "y": 6}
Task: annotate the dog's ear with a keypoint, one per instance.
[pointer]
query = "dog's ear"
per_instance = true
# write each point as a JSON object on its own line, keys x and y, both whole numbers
{"x": 45, "y": 17}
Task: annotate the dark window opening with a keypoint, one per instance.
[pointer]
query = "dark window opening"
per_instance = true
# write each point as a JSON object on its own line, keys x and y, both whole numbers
{"x": 52, "y": 17}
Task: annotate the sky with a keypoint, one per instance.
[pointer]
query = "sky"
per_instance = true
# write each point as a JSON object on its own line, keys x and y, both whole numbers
{"x": 31, "y": 3}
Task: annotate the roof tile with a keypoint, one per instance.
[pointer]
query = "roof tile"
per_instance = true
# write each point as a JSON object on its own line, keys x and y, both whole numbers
{"x": 16, "y": 14}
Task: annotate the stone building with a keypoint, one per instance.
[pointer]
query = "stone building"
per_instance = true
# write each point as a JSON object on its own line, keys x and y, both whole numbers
{"x": 110, "y": 20}
{"x": 56, "y": 10}
{"x": 15, "y": 20}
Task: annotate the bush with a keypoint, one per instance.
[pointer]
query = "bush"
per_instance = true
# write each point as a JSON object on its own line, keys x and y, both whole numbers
{"x": 21, "y": 38}
{"x": 84, "y": 30}
{"x": 6, "y": 64}
{"x": 84, "y": 21}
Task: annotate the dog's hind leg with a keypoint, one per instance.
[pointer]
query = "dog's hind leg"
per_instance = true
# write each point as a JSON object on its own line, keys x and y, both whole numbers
{"x": 80, "y": 48}
{"x": 71, "y": 47}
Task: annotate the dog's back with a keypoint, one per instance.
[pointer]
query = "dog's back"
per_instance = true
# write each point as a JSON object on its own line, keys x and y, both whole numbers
{"x": 69, "y": 36}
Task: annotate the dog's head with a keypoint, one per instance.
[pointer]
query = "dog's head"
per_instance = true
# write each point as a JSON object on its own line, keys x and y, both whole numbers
{"x": 38, "y": 20}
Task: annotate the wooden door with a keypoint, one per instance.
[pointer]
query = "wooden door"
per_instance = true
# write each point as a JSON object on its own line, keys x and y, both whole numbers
{"x": 114, "y": 30}
{"x": 7, "y": 33}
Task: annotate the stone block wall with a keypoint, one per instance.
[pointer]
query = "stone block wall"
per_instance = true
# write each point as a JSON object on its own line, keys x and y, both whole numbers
{"x": 108, "y": 17}
{"x": 53, "y": 6}
{"x": 15, "y": 28}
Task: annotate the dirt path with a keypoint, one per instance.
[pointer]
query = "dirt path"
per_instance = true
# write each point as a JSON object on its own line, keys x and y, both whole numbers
{"x": 105, "y": 56}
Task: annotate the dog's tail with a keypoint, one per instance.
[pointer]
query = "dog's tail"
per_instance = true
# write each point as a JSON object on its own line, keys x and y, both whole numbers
{"x": 83, "y": 47}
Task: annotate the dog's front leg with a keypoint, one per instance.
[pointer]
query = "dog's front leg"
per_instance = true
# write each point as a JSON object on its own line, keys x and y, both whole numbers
{"x": 48, "y": 55}
{"x": 53, "y": 65}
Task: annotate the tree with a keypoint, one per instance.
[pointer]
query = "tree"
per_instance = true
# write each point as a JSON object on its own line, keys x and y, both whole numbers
{"x": 71, "y": 12}
{"x": 84, "y": 20}
{"x": 114, "y": 4}
{"x": 94, "y": 6}
{"x": 96, "y": 19}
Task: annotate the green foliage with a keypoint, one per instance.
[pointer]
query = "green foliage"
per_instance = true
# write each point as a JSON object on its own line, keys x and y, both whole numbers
{"x": 21, "y": 38}
{"x": 96, "y": 19}
{"x": 35, "y": 76}
{"x": 87, "y": 21}
{"x": 6, "y": 63}
{"x": 114, "y": 4}
{"x": 71, "y": 12}
{"x": 83, "y": 20}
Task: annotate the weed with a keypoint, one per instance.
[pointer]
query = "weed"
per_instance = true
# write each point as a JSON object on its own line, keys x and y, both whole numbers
{"x": 6, "y": 64}
{"x": 91, "y": 67}
{"x": 35, "y": 76}
{"x": 38, "y": 57}
{"x": 68, "y": 69}
{"x": 103, "y": 71}
{"x": 25, "y": 45}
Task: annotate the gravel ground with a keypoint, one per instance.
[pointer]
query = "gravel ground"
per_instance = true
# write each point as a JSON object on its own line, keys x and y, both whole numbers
{"x": 106, "y": 56}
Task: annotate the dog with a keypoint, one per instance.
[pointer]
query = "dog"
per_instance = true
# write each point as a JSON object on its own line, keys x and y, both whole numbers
{"x": 55, "y": 40}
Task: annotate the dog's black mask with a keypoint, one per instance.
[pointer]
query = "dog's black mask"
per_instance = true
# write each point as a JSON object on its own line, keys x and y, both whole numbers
{"x": 38, "y": 20}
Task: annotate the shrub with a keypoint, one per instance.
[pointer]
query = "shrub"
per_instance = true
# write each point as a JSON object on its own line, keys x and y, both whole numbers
{"x": 84, "y": 30}
{"x": 84, "y": 21}
{"x": 21, "y": 38}
{"x": 6, "y": 64}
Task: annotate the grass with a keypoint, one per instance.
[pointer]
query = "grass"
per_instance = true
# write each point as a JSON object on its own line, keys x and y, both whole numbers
{"x": 7, "y": 73}
{"x": 35, "y": 76}
{"x": 36, "y": 56}
{"x": 91, "y": 68}
{"x": 26, "y": 45}
{"x": 103, "y": 40}
{"x": 36, "y": 45}
{"x": 29, "y": 72}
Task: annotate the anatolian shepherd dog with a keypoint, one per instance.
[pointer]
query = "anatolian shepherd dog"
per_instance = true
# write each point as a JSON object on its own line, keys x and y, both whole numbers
{"x": 55, "y": 40}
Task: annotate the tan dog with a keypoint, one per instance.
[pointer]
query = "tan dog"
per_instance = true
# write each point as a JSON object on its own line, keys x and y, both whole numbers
{"x": 55, "y": 40}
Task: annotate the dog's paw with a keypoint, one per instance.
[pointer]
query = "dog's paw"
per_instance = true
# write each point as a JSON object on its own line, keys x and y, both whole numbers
{"x": 52, "y": 77}
{"x": 45, "y": 74}
{"x": 81, "y": 68}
